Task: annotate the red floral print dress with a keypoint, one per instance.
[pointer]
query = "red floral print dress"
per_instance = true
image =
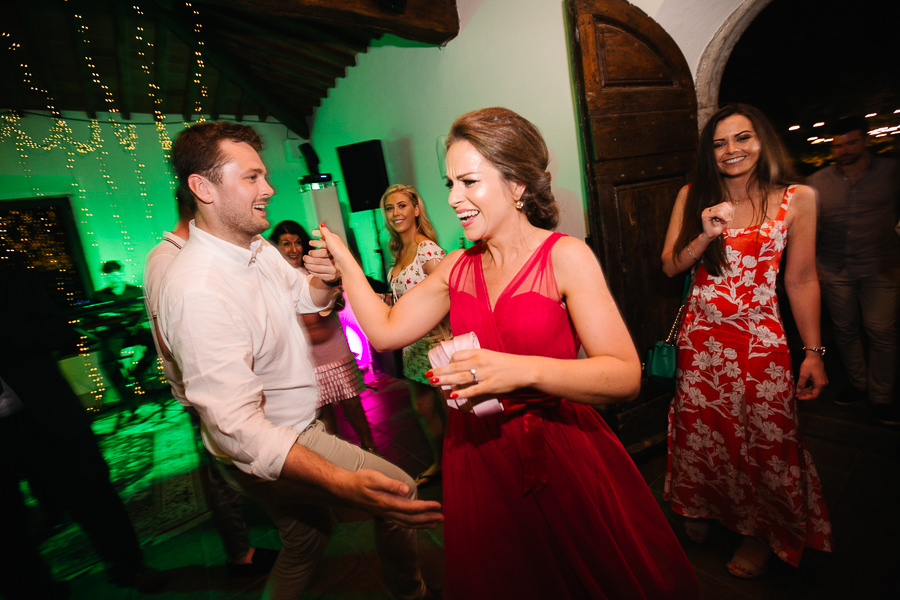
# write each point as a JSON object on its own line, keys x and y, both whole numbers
{"x": 735, "y": 451}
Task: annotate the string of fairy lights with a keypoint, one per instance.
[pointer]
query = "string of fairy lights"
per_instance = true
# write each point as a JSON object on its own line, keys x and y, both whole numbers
{"x": 60, "y": 137}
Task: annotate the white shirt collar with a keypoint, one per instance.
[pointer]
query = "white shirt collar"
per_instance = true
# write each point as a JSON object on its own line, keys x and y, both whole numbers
{"x": 232, "y": 252}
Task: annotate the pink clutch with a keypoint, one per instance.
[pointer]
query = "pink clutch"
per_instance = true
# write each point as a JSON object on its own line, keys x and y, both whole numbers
{"x": 440, "y": 356}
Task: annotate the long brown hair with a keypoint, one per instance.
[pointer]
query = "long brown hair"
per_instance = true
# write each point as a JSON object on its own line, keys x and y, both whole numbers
{"x": 423, "y": 223}
{"x": 708, "y": 189}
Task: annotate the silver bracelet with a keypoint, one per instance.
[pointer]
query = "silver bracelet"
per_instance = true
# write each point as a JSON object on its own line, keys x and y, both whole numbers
{"x": 691, "y": 254}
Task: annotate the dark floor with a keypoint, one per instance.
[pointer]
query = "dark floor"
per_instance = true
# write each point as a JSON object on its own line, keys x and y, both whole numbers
{"x": 858, "y": 460}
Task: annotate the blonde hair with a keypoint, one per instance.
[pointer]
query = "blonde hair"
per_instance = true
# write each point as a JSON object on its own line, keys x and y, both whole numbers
{"x": 423, "y": 224}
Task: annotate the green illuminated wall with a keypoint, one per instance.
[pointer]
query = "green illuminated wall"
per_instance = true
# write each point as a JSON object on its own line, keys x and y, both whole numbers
{"x": 118, "y": 176}
{"x": 122, "y": 185}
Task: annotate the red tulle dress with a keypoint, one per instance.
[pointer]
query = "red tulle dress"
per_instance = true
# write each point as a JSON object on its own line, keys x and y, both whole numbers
{"x": 735, "y": 451}
{"x": 542, "y": 501}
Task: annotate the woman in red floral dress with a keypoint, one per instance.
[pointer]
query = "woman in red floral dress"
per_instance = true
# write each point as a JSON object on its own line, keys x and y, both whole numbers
{"x": 735, "y": 451}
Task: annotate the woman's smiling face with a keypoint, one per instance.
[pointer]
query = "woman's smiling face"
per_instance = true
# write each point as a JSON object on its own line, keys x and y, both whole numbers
{"x": 291, "y": 247}
{"x": 479, "y": 194}
{"x": 400, "y": 212}
{"x": 736, "y": 146}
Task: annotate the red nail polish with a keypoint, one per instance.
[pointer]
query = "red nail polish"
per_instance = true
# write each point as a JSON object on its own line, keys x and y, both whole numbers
{"x": 434, "y": 380}
{"x": 321, "y": 224}
{"x": 429, "y": 374}
{"x": 454, "y": 395}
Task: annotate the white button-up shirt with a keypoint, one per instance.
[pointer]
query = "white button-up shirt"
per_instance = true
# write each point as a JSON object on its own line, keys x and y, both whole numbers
{"x": 155, "y": 266}
{"x": 229, "y": 316}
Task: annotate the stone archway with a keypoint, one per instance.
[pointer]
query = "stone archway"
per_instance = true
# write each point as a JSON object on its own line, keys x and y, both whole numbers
{"x": 712, "y": 63}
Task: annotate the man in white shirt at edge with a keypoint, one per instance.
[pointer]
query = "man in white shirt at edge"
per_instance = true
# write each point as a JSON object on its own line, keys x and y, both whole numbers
{"x": 225, "y": 503}
{"x": 227, "y": 312}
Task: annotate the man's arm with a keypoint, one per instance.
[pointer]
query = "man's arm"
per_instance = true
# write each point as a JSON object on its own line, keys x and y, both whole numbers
{"x": 366, "y": 489}
{"x": 221, "y": 384}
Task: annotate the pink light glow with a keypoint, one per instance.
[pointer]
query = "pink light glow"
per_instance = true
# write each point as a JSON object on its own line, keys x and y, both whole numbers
{"x": 356, "y": 339}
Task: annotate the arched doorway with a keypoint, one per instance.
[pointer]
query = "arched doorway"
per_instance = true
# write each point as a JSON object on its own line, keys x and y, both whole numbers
{"x": 715, "y": 57}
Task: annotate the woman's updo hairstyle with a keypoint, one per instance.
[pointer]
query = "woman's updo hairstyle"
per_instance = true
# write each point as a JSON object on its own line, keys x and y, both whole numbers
{"x": 515, "y": 147}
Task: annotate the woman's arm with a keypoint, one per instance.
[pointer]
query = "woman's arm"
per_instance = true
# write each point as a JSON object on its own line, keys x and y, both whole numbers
{"x": 610, "y": 373}
{"x": 715, "y": 220}
{"x": 388, "y": 328}
{"x": 802, "y": 285}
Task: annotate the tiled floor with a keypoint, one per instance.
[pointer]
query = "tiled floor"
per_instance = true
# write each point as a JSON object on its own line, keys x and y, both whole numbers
{"x": 859, "y": 462}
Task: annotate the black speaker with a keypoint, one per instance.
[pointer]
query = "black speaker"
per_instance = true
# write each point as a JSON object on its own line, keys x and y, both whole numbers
{"x": 311, "y": 158}
{"x": 365, "y": 175}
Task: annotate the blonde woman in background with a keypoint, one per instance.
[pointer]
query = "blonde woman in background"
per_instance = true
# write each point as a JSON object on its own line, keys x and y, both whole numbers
{"x": 416, "y": 254}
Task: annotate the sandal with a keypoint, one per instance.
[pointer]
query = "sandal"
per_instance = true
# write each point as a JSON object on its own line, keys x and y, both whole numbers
{"x": 697, "y": 530}
{"x": 751, "y": 559}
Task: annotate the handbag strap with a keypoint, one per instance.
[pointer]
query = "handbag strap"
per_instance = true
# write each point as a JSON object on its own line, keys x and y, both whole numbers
{"x": 688, "y": 285}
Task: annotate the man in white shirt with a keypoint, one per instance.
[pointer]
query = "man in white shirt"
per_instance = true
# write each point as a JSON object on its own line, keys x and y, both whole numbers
{"x": 225, "y": 503}
{"x": 228, "y": 307}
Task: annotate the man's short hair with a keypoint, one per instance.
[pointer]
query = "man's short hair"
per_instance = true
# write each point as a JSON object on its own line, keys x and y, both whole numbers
{"x": 111, "y": 266}
{"x": 197, "y": 150}
{"x": 845, "y": 125}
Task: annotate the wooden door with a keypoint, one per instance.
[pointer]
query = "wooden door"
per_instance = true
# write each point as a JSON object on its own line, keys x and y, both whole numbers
{"x": 638, "y": 120}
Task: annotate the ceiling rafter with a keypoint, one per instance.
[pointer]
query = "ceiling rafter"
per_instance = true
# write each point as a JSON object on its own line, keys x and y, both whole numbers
{"x": 261, "y": 58}
{"x": 81, "y": 49}
{"x": 121, "y": 25}
{"x": 429, "y": 21}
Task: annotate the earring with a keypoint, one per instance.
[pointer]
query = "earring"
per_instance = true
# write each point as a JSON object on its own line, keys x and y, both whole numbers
{"x": 519, "y": 204}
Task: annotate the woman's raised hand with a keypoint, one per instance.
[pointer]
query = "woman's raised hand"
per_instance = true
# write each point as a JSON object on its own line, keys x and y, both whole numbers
{"x": 716, "y": 219}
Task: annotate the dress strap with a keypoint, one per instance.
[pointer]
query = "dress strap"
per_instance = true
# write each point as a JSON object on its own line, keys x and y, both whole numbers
{"x": 786, "y": 202}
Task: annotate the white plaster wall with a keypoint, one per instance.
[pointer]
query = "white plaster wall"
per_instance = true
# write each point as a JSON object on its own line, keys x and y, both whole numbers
{"x": 692, "y": 23}
{"x": 509, "y": 53}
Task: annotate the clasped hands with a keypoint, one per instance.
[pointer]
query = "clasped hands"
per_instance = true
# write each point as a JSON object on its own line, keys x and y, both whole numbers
{"x": 324, "y": 259}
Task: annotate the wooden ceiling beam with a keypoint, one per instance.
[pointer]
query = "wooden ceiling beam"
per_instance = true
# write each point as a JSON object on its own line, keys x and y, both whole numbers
{"x": 217, "y": 93}
{"x": 159, "y": 73}
{"x": 250, "y": 86}
{"x": 429, "y": 21}
{"x": 124, "y": 67}
{"x": 34, "y": 54}
{"x": 267, "y": 27}
{"x": 316, "y": 79}
{"x": 93, "y": 103}
{"x": 242, "y": 107}
{"x": 191, "y": 91}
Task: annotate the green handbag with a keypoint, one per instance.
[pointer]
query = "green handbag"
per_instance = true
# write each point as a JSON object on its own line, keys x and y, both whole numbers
{"x": 660, "y": 365}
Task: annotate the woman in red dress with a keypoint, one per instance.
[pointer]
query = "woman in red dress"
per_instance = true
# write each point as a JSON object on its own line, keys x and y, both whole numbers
{"x": 541, "y": 500}
{"x": 735, "y": 452}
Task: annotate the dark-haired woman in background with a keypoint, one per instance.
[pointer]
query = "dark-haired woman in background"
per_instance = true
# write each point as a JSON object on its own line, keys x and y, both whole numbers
{"x": 735, "y": 451}
{"x": 540, "y": 500}
{"x": 416, "y": 254}
{"x": 337, "y": 375}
